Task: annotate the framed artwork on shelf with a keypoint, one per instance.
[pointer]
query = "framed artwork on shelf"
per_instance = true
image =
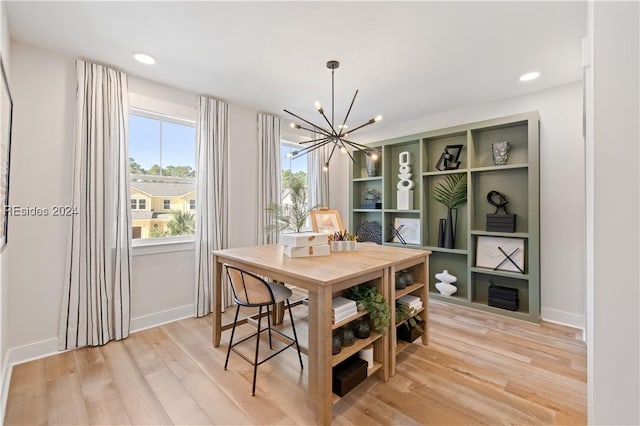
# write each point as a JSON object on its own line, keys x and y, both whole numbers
{"x": 406, "y": 230}
{"x": 500, "y": 253}
{"x": 6, "y": 110}
{"x": 326, "y": 221}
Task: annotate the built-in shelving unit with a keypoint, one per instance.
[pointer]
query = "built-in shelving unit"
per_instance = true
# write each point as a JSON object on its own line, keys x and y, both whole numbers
{"x": 518, "y": 180}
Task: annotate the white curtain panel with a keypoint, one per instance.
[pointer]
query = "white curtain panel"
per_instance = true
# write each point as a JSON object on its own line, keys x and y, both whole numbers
{"x": 268, "y": 174}
{"x": 96, "y": 298}
{"x": 212, "y": 195}
{"x": 318, "y": 179}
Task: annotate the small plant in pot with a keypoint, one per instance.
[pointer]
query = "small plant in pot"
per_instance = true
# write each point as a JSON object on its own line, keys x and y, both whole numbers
{"x": 375, "y": 303}
{"x": 371, "y": 199}
{"x": 452, "y": 193}
{"x": 411, "y": 321}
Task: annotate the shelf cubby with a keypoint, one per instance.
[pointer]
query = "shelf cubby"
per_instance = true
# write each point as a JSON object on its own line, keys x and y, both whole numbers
{"x": 360, "y": 167}
{"x": 518, "y": 180}
{"x": 434, "y": 146}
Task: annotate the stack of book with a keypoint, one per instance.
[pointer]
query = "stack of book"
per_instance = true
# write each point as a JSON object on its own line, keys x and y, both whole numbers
{"x": 305, "y": 244}
{"x": 343, "y": 308}
{"x": 411, "y": 301}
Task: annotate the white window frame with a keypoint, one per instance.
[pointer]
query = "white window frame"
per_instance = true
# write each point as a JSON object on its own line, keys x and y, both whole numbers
{"x": 168, "y": 244}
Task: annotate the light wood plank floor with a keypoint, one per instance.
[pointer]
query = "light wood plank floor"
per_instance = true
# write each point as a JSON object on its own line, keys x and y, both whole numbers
{"x": 478, "y": 369}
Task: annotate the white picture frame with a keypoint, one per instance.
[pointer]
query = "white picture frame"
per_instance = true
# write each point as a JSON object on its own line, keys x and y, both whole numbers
{"x": 494, "y": 253}
{"x": 409, "y": 229}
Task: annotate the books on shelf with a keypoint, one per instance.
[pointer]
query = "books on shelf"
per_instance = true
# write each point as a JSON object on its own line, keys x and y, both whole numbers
{"x": 411, "y": 301}
{"x": 342, "y": 308}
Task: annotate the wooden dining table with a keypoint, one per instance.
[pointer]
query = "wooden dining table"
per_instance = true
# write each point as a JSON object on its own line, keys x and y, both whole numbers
{"x": 321, "y": 276}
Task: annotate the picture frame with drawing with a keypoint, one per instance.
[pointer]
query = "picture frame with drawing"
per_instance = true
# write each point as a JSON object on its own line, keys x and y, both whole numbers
{"x": 6, "y": 118}
{"x": 501, "y": 253}
{"x": 326, "y": 221}
{"x": 406, "y": 230}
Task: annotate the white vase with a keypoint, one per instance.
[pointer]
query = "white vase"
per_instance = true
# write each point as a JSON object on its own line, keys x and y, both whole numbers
{"x": 446, "y": 277}
{"x": 446, "y": 288}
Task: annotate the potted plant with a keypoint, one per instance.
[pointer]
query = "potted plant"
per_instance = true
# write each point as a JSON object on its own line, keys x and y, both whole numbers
{"x": 375, "y": 303}
{"x": 371, "y": 199}
{"x": 411, "y": 327}
{"x": 452, "y": 193}
{"x": 289, "y": 216}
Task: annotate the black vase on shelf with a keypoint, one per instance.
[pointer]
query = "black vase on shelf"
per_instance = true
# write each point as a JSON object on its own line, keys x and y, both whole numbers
{"x": 450, "y": 229}
{"x": 336, "y": 344}
{"x": 361, "y": 328}
{"x": 441, "y": 227}
{"x": 348, "y": 336}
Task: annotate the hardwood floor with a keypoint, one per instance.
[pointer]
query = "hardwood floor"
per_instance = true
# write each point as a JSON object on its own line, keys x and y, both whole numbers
{"x": 478, "y": 369}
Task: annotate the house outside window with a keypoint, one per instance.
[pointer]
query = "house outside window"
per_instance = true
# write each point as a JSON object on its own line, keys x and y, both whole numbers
{"x": 162, "y": 174}
{"x": 134, "y": 204}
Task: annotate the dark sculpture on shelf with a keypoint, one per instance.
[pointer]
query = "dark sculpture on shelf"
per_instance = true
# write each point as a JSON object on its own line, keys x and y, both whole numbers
{"x": 497, "y": 222}
{"x": 448, "y": 160}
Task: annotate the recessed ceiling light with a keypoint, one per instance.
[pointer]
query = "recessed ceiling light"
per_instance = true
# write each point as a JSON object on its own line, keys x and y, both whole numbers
{"x": 530, "y": 76}
{"x": 144, "y": 58}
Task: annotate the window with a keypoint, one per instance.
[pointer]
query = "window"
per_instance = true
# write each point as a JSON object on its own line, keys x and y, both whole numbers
{"x": 192, "y": 204}
{"x": 162, "y": 167}
{"x": 293, "y": 179}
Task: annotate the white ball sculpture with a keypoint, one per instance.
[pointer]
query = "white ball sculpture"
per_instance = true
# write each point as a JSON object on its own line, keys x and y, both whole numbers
{"x": 445, "y": 285}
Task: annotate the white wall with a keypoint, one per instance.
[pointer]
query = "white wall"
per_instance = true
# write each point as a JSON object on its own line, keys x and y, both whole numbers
{"x": 613, "y": 332}
{"x": 562, "y": 218}
{"x": 162, "y": 284}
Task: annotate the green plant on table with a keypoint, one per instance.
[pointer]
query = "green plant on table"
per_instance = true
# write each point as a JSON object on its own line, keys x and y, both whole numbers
{"x": 375, "y": 303}
{"x": 410, "y": 315}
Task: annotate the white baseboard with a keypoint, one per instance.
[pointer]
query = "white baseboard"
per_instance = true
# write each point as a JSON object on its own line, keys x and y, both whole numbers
{"x": 562, "y": 317}
{"x": 159, "y": 318}
{"x": 4, "y": 386}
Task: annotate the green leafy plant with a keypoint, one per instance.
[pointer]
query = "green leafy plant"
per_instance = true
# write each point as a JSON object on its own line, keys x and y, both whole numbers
{"x": 182, "y": 223}
{"x": 453, "y": 191}
{"x": 290, "y": 216}
{"x": 375, "y": 303}
{"x": 410, "y": 315}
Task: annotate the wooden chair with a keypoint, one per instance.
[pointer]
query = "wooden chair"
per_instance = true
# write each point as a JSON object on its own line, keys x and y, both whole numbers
{"x": 249, "y": 290}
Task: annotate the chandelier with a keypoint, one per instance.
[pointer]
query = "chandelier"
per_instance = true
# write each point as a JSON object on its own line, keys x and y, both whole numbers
{"x": 333, "y": 135}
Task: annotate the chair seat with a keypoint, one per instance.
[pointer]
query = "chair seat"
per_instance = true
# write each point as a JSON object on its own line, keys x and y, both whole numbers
{"x": 280, "y": 292}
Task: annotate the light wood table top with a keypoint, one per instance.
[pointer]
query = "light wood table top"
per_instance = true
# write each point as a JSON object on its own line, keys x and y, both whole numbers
{"x": 322, "y": 276}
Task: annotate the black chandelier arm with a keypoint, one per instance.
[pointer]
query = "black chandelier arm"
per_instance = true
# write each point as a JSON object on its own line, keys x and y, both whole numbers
{"x": 323, "y": 132}
{"x": 321, "y": 111}
{"x": 318, "y": 128}
{"x": 314, "y": 140}
{"x": 332, "y": 151}
{"x": 359, "y": 146}
{"x": 346, "y": 117}
{"x": 342, "y": 141}
{"x": 312, "y": 148}
{"x": 373, "y": 120}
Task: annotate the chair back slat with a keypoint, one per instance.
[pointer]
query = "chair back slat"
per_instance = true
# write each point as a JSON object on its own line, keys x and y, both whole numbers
{"x": 248, "y": 289}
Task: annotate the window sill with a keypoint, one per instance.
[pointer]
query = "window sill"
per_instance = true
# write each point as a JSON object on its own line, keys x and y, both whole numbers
{"x": 162, "y": 245}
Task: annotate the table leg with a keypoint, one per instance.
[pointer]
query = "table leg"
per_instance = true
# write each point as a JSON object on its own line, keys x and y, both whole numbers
{"x": 217, "y": 301}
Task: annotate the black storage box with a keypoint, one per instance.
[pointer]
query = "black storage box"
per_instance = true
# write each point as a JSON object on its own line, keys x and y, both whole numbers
{"x": 503, "y": 297}
{"x": 501, "y": 222}
{"x": 407, "y": 333}
{"x": 505, "y": 293}
{"x": 348, "y": 374}
{"x": 510, "y": 305}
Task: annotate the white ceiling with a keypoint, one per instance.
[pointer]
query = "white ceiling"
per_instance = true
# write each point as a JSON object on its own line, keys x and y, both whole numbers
{"x": 409, "y": 59}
